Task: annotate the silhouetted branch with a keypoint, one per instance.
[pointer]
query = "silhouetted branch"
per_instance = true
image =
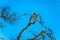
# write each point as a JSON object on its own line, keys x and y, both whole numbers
{"x": 43, "y": 33}
{"x": 32, "y": 33}
{"x": 19, "y": 36}
{"x": 11, "y": 18}
{"x": 34, "y": 17}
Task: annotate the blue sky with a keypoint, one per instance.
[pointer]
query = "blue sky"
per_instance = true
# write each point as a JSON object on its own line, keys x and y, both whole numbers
{"x": 49, "y": 10}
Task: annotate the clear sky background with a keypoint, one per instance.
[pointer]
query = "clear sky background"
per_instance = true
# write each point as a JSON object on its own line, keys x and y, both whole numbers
{"x": 49, "y": 10}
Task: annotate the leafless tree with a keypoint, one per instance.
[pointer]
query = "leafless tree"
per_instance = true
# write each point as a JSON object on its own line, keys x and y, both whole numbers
{"x": 13, "y": 18}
